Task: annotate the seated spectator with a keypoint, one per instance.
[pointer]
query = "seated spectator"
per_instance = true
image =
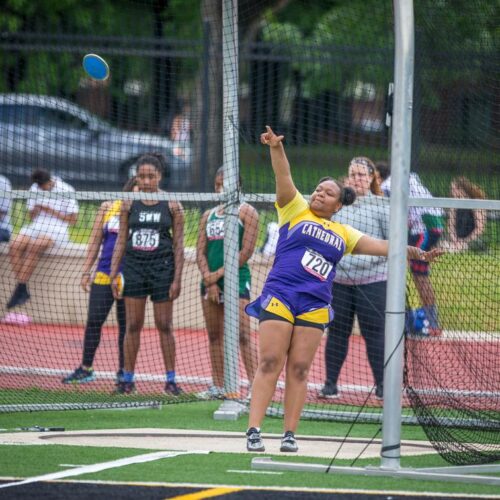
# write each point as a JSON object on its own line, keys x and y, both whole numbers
{"x": 465, "y": 226}
{"x": 49, "y": 227}
{"x": 5, "y": 204}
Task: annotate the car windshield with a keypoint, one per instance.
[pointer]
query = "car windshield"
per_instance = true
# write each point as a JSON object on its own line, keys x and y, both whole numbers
{"x": 34, "y": 115}
{"x": 13, "y": 113}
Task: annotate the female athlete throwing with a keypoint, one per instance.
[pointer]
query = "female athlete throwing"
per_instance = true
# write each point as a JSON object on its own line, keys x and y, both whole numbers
{"x": 294, "y": 308}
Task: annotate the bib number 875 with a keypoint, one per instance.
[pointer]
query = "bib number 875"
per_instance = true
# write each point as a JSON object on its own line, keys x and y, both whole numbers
{"x": 316, "y": 264}
{"x": 145, "y": 240}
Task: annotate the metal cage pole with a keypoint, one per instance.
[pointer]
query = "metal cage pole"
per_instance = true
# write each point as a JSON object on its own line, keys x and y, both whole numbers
{"x": 230, "y": 409}
{"x": 396, "y": 284}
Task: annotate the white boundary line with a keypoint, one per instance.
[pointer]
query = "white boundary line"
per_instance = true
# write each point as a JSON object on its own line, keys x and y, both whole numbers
{"x": 87, "y": 469}
{"x": 237, "y": 471}
{"x": 149, "y": 377}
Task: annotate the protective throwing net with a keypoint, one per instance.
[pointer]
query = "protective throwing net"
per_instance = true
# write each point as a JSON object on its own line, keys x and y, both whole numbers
{"x": 320, "y": 74}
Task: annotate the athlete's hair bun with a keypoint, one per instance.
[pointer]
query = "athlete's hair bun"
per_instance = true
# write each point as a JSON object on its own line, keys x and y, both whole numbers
{"x": 347, "y": 196}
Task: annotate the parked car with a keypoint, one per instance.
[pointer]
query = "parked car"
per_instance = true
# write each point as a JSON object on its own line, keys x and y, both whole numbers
{"x": 87, "y": 152}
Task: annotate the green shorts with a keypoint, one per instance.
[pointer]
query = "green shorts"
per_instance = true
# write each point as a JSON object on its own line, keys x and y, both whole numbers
{"x": 244, "y": 288}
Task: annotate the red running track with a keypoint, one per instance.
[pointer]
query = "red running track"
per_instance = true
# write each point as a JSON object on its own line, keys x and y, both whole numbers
{"x": 459, "y": 365}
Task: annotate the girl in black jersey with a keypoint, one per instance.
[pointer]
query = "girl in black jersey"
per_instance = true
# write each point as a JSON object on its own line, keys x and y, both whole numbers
{"x": 151, "y": 239}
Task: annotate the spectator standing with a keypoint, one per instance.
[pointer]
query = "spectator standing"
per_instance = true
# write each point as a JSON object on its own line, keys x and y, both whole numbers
{"x": 425, "y": 229}
{"x": 465, "y": 226}
{"x": 51, "y": 218}
{"x": 180, "y": 129}
{"x": 360, "y": 282}
{"x": 210, "y": 260}
{"x": 151, "y": 239}
{"x": 102, "y": 242}
{"x": 5, "y": 206}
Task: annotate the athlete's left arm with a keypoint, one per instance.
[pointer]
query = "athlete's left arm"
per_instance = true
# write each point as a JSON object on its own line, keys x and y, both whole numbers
{"x": 367, "y": 245}
{"x": 250, "y": 218}
{"x": 178, "y": 240}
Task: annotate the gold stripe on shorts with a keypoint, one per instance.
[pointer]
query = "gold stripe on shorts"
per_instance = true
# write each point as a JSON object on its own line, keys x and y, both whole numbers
{"x": 277, "y": 307}
{"x": 319, "y": 316}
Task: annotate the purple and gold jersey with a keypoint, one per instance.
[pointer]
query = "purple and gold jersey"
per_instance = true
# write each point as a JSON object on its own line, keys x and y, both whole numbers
{"x": 309, "y": 248}
{"x": 110, "y": 228}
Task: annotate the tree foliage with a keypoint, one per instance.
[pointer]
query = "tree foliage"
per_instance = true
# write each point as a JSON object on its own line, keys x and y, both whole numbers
{"x": 350, "y": 40}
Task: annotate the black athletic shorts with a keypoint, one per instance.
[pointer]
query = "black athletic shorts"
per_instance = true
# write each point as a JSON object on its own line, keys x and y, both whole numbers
{"x": 148, "y": 278}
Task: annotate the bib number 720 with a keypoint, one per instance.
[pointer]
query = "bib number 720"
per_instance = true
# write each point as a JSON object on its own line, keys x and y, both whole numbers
{"x": 315, "y": 264}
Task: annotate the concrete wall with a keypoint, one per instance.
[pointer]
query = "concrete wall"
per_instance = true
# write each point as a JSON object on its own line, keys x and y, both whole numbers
{"x": 56, "y": 295}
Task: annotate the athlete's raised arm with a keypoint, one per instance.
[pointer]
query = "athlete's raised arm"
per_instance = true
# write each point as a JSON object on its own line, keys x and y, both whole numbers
{"x": 285, "y": 188}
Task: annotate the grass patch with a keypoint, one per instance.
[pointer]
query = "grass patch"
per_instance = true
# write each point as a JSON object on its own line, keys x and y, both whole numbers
{"x": 182, "y": 416}
{"x": 77, "y": 394}
{"x": 80, "y": 232}
{"x": 467, "y": 292}
{"x": 27, "y": 461}
{"x": 437, "y": 166}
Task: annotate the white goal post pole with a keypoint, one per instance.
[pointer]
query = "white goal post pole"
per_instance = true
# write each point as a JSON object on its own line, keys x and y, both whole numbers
{"x": 396, "y": 280}
{"x": 231, "y": 175}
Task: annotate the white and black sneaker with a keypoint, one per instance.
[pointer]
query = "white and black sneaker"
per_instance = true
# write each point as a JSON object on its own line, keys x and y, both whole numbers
{"x": 329, "y": 390}
{"x": 289, "y": 443}
{"x": 213, "y": 392}
{"x": 254, "y": 440}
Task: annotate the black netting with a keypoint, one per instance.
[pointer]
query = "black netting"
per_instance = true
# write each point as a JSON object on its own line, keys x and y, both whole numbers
{"x": 451, "y": 380}
{"x": 321, "y": 75}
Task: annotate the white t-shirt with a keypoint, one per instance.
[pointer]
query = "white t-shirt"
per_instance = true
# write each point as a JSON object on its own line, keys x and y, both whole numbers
{"x": 416, "y": 190}
{"x": 65, "y": 205}
{"x": 181, "y": 130}
{"x": 5, "y": 204}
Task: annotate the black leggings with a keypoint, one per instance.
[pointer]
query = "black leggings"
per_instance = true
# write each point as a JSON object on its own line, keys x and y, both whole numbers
{"x": 100, "y": 302}
{"x": 368, "y": 302}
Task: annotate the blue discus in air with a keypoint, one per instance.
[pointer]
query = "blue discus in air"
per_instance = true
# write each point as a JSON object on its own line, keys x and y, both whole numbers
{"x": 96, "y": 67}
